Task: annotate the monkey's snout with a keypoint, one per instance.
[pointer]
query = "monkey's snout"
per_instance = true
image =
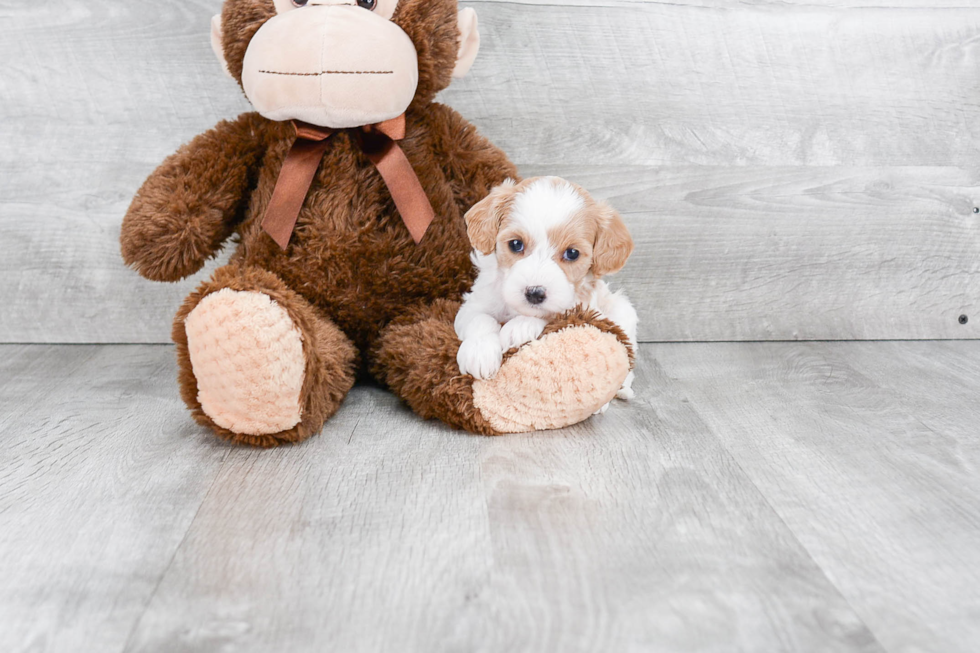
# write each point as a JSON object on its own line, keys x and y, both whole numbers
{"x": 335, "y": 66}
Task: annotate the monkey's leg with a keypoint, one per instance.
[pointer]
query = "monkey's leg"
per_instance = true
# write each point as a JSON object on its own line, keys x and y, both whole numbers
{"x": 258, "y": 365}
{"x": 574, "y": 369}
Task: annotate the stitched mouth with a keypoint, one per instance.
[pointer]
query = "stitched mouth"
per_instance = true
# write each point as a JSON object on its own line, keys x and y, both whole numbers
{"x": 330, "y": 72}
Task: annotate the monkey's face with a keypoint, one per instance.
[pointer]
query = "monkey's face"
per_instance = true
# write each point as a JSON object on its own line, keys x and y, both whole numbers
{"x": 334, "y": 63}
{"x": 341, "y": 63}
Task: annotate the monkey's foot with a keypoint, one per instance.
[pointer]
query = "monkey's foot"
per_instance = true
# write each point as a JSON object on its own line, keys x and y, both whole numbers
{"x": 575, "y": 368}
{"x": 561, "y": 379}
{"x": 247, "y": 356}
{"x": 258, "y": 365}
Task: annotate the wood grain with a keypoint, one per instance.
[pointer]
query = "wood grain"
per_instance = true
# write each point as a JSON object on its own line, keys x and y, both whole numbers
{"x": 658, "y": 84}
{"x": 722, "y": 254}
{"x": 101, "y": 473}
{"x": 756, "y": 496}
{"x": 797, "y": 253}
{"x": 868, "y": 452}
{"x": 95, "y": 95}
{"x": 632, "y": 532}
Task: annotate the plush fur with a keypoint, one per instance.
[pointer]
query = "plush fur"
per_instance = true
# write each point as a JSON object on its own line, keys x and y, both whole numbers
{"x": 360, "y": 292}
{"x": 330, "y": 355}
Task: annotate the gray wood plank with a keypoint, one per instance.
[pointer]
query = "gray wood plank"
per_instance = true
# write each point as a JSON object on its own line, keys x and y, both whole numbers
{"x": 635, "y": 531}
{"x": 722, "y": 254}
{"x": 868, "y": 452}
{"x": 94, "y": 96}
{"x": 645, "y": 529}
{"x": 88, "y": 112}
{"x": 101, "y": 474}
{"x": 797, "y": 253}
{"x": 659, "y": 84}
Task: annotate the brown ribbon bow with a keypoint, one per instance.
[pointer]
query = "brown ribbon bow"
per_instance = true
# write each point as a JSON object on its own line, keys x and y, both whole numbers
{"x": 378, "y": 143}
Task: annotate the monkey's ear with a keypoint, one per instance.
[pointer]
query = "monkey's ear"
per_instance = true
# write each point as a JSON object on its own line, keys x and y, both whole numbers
{"x": 484, "y": 219}
{"x": 217, "y": 43}
{"x": 469, "y": 42}
{"x": 613, "y": 244}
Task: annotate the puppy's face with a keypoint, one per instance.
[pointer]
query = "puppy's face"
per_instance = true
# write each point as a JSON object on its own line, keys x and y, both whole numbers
{"x": 551, "y": 241}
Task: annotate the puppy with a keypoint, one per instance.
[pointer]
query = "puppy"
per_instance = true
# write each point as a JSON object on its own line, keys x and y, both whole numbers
{"x": 541, "y": 248}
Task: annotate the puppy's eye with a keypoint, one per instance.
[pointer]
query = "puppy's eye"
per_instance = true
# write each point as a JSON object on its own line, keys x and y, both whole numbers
{"x": 571, "y": 254}
{"x": 516, "y": 246}
{"x": 367, "y": 4}
{"x": 300, "y": 3}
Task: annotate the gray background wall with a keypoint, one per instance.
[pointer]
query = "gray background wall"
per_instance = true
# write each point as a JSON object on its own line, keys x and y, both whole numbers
{"x": 789, "y": 169}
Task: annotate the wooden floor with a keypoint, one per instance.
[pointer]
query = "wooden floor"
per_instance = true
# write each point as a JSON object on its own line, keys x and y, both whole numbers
{"x": 754, "y": 497}
{"x": 790, "y": 169}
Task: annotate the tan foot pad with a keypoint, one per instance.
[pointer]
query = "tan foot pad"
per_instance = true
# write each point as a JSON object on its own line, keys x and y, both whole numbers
{"x": 247, "y": 357}
{"x": 554, "y": 382}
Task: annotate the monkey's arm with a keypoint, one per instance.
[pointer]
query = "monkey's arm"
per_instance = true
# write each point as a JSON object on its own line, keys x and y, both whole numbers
{"x": 191, "y": 204}
{"x": 474, "y": 165}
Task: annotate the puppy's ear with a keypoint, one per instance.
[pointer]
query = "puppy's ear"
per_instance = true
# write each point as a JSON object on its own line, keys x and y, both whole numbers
{"x": 613, "y": 243}
{"x": 484, "y": 219}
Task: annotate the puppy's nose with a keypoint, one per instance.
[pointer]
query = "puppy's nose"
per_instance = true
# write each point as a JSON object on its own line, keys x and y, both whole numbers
{"x": 535, "y": 295}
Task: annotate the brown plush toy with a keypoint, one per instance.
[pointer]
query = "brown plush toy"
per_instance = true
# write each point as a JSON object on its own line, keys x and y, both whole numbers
{"x": 346, "y": 194}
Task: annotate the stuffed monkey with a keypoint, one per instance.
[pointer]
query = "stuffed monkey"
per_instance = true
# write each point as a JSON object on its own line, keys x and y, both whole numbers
{"x": 345, "y": 195}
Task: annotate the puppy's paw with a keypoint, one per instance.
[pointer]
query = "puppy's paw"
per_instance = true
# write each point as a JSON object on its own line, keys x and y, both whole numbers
{"x": 480, "y": 357}
{"x": 626, "y": 392}
{"x": 520, "y": 330}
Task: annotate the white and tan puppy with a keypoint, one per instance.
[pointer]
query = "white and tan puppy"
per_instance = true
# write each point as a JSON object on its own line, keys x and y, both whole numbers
{"x": 541, "y": 248}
